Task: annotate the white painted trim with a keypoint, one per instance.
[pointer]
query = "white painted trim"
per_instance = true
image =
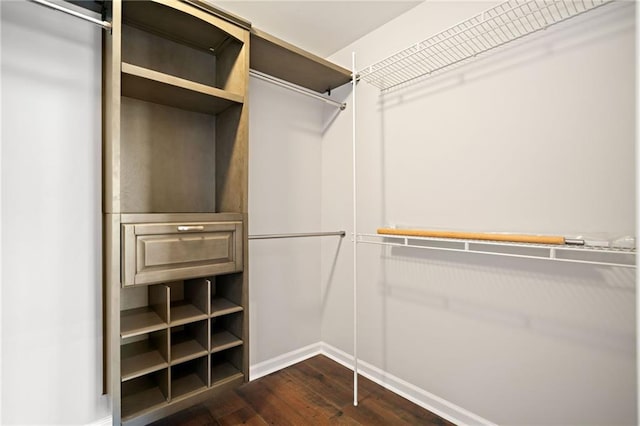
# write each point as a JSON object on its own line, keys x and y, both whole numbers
{"x": 443, "y": 408}
{"x": 278, "y": 363}
{"x": 107, "y": 421}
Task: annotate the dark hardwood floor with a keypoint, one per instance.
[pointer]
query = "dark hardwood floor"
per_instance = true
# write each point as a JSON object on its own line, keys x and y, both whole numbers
{"x": 317, "y": 391}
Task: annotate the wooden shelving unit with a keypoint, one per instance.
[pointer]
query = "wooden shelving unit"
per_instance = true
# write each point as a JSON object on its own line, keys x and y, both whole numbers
{"x": 175, "y": 204}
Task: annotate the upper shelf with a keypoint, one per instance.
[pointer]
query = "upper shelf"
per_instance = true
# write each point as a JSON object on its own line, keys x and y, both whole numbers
{"x": 506, "y": 22}
{"x": 181, "y": 22}
{"x": 153, "y": 86}
{"x": 276, "y": 57}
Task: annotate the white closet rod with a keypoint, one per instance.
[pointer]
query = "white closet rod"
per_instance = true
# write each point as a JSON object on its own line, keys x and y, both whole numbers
{"x": 104, "y": 24}
{"x": 295, "y": 88}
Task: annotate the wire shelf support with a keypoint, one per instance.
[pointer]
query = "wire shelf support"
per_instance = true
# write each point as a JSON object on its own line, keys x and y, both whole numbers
{"x": 497, "y": 26}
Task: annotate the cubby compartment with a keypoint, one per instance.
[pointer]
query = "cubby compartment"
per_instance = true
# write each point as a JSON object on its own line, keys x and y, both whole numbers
{"x": 189, "y": 301}
{"x": 144, "y": 310}
{"x": 189, "y": 378}
{"x": 145, "y": 393}
{"x": 226, "y": 332}
{"x": 167, "y": 159}
{"x": 189, "y": 341}
{"x": 144, "y": 354}
{"x": 226, "y": 366}
{"x": 226, "y": 297}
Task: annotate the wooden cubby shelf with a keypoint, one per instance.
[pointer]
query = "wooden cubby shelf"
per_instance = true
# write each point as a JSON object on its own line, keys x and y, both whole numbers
{"x": 144, "y": 393}
{"x": 221, "y": 306}
{"x": 222, "y": 340}
{"x": 134, "y": 322}
{"x": 144, "y": 356}
{"x": 183, "y": 313}
{"x": 222, "y": 372}
{"x": 153, "y": 86}
{"x": 189, "y": 378}
{"x": 189, "y": 342}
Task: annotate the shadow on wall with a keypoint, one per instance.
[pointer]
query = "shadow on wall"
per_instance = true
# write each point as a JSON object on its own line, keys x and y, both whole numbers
{"x": 584, "y": 304}
{"x": 607, "y": 22}
{"x": 330, "y": 276}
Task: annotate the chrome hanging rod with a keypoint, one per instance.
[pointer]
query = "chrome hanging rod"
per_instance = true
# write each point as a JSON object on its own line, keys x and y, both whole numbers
{"x": 104, "y": 24}
{"x": 295, "y": 88}
{"x": 296, "y": 235}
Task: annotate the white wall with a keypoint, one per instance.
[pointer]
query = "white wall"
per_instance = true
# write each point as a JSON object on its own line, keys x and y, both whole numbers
{"x": 51, "y": 215}
{"x": 284, "y": 197}
{"x": 539, "y": 138}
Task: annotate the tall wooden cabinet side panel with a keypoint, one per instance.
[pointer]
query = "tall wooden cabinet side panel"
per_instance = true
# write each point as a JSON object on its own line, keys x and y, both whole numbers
{"x": 232, "y": 164}
{"x": 111, "y": 204}
{"x": 175, "y": 141}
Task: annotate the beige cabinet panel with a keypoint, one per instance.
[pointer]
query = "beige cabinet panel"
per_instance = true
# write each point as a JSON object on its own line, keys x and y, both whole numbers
{"x": 164, "y": 252}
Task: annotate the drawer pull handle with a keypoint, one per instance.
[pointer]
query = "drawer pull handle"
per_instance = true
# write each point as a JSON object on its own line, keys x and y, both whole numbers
{"x": 184, "y": 228}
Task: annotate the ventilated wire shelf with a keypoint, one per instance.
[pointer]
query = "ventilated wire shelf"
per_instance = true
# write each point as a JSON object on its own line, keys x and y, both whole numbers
{"x": 492, "y": 28}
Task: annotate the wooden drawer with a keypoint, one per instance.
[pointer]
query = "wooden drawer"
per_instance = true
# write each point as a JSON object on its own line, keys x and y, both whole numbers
{"x": 161, "y": 252}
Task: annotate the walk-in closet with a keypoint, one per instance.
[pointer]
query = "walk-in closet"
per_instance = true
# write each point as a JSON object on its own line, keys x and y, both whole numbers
{"x": 318, "y": 212}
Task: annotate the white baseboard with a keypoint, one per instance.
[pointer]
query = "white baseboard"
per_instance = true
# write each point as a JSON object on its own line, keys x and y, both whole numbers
{"x": 421, "y": 397}
{"x": 107, "y": 421}
{"x": 278, "y": 363}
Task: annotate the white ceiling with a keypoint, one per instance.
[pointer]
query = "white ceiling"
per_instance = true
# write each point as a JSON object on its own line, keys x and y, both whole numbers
{"x": 320, "y": 27}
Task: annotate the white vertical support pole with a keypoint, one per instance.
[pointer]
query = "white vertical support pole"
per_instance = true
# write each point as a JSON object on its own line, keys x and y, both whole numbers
{"x": 355, "y": 243}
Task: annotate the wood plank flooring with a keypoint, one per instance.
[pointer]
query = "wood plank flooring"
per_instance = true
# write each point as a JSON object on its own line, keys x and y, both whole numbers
{"x": 317, "y": 391}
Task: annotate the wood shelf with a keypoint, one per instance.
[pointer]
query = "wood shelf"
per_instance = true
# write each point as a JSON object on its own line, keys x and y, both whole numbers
{"x": 186, "y": 385}
{"x": 140, "y": 395}
{"x": 224, "y": 372}
{"x": 140, "y": 358}
{"x": 221, "y": 340}
{"x": 221, "y": 306}
{"x": 185, "y": 348}
{"x": 285, "y": 61}
{"x": 180, "y": 22}
{"x": 153, "y": 86}
{"x": 184, "y": 313}
{"x": 135, "y": 322}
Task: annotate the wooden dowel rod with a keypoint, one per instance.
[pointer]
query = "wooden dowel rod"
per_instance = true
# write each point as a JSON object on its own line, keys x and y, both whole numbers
{"x": 512, "y": 238}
